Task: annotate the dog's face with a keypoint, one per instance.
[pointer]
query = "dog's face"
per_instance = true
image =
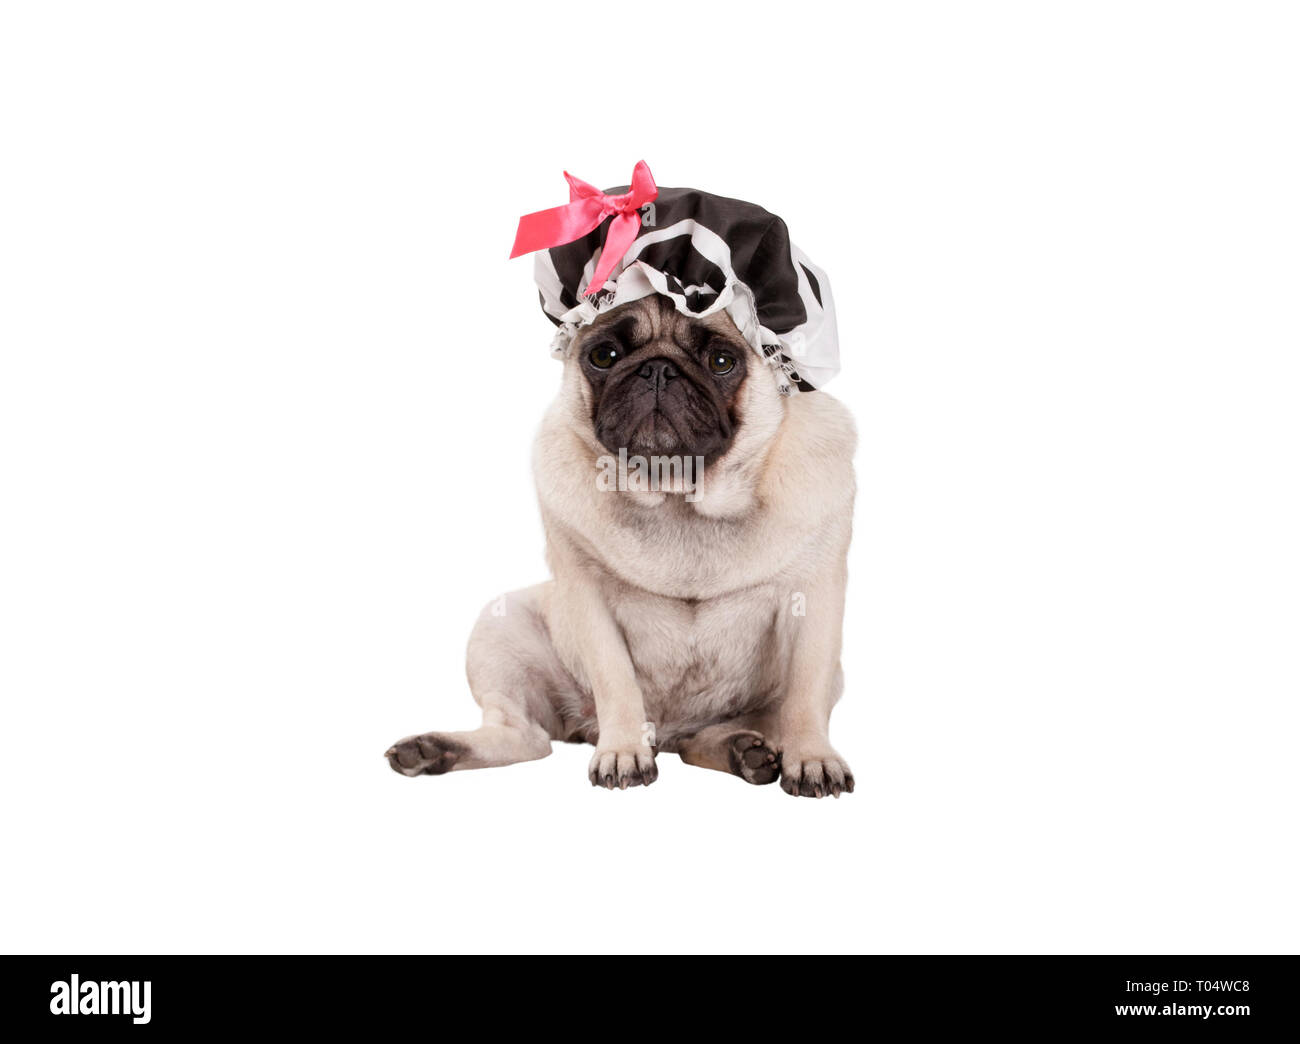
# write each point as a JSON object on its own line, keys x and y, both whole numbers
{"x": 662, "y": 383}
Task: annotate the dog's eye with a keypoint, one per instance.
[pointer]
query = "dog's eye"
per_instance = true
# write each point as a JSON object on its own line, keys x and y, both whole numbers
{"x": 603, "y": 356}
{"x": 721, "y": 362}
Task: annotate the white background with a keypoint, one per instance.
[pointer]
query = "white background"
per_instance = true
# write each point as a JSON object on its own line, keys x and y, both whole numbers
{"x": 268, "y": 389}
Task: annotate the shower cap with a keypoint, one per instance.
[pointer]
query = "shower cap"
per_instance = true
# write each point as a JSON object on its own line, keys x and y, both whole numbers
{"x": 706, "y": 253}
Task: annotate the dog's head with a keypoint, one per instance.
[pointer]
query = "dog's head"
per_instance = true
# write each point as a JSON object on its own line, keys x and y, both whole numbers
{"x": 662, "y": 383}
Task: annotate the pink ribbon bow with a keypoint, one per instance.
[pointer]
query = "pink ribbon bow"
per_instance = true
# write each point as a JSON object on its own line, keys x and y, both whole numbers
{"x": 587, "y": 208}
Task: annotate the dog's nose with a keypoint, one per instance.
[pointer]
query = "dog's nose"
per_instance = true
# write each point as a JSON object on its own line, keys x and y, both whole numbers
{"x": 658, "y": 371}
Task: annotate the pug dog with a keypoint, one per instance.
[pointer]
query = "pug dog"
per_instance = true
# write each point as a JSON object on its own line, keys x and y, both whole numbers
{"x": 702, "y": 618}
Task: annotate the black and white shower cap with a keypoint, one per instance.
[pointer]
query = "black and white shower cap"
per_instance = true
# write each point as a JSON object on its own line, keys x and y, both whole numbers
{"x": 706, "y": 253}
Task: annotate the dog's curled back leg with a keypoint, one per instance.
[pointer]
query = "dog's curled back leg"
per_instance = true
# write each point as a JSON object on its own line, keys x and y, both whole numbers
{"x": 514, "y": 675}
{"x": 739, "y": 746}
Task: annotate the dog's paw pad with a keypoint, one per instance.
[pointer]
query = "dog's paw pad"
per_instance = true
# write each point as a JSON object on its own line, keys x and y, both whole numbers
{"x": 752, "y": 759}
{"x": 427, "y": 755}
{"x": 816, "y": 775}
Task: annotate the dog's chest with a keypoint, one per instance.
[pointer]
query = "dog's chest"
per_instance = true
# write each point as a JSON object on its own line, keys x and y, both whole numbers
{"x": 697, "y": 660}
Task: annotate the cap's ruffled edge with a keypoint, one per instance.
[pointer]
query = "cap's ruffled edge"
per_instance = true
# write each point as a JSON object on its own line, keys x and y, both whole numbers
{"x": 638, "y": 280}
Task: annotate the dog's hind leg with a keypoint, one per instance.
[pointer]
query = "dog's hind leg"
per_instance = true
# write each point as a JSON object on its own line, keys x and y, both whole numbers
{"x": 739, "y": 746}
{"x": 502, "y": 739}
{"x": 516, "y": 678}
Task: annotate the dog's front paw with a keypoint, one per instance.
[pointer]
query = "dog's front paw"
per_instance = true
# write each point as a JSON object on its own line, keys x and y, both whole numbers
{"x": 622, "y": 767}
{"x": 815, "y": 774}
{"x": 427, "y": 755}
